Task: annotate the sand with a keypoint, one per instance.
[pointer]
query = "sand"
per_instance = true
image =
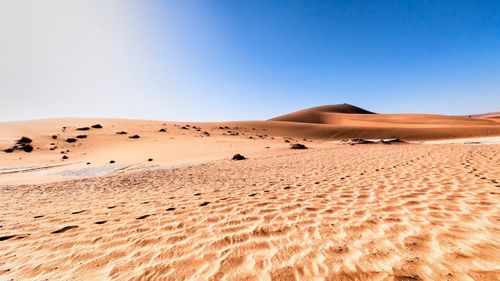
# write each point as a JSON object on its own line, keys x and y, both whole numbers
{"x": 371, "y": 212}
{"x": 334, "y": 211}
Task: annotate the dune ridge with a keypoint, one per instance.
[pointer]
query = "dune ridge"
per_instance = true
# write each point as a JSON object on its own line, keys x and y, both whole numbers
{"x": 319, "y": 114}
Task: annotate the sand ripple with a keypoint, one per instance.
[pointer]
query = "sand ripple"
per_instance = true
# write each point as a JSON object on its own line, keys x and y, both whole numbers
{"x": 402, "y": 212}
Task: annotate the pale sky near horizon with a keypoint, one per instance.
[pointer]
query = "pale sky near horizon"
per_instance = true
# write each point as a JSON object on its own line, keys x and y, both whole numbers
{"x": 245, "y": 60}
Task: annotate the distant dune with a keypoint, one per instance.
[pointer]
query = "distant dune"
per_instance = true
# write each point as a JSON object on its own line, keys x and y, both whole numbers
{"x": 494, "y": 115}
{"x": 348, "y": 121}
{"x": 320, "y": 114}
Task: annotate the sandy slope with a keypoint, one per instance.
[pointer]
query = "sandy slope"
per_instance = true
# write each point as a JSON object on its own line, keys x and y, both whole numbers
{"x": 348, "y": 121}
{"x": 336, "y": 212}
{"x": 331, "y": 212}
{"x": 212, "y": 141}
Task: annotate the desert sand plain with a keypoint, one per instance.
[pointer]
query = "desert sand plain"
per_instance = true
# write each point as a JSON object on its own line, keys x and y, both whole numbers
{"x": 173, "y": 205}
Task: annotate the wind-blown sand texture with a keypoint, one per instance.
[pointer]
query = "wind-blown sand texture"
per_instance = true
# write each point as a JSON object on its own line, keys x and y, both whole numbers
{"x": 407, "y": 212}
{"x": 173, "y": 206}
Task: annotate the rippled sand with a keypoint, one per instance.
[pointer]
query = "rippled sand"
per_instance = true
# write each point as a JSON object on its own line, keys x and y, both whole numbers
{"x": 339, "y": 212}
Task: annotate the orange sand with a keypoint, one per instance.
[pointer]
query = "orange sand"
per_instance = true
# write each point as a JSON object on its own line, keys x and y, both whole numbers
{"x": 331, "y": 212}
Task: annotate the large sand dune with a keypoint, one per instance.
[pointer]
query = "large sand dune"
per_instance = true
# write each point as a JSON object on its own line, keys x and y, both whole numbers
{"x": 348, "y": 121}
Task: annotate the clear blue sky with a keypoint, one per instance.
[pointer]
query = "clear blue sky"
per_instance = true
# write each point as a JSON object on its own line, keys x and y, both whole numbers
{"x": 234, "y": 60}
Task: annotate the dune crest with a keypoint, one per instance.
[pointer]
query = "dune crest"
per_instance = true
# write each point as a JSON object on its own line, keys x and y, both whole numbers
{"x": 319, "y": 114}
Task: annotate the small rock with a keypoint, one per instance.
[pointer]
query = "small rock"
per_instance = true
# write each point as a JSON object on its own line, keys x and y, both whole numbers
{"x": 81, "y": 136}
{"x": 298, "y": 146}
{"x": 27, "y": 148}
{"x": 112, "y": 161}
{"x": 121, "y": 133}
{"x": 134, "y": 137}
{"x": 65, "y": 157}
{"x": 70, "y": 140}
{"x": 97, "y": 126}
{"x": 83, "y": 129}
{"x": 23, "y": 141}
{"x": 238, "y": 157}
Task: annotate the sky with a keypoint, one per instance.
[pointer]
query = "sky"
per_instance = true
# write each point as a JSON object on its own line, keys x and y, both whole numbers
{"x": 209, "y": 60}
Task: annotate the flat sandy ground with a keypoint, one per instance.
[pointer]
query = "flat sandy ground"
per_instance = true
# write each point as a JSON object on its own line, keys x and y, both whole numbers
{"x": 331, "y": 212}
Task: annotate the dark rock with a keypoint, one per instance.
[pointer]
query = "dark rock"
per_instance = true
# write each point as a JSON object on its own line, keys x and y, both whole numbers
{"x": 150, "y": 159}
{"x": 360, "y": 141}
{"x": 112, "y": 161}
{"x": 23, "y": 141}
{"x": 8, "y": 150}
{"x": 163, "y": 130}
{"x": 298, "y": 146}
{"x": 54, "y": 137}
{"x": 121, "y": 133}
{"x": 97, "y": 126}
{"x": 81, "y": 136}
{"x": 27, "y": 148}
{"x": 71, "y": 140}
{"x": 83, "y": 129}
{"x": 65, "y": 157}
{"x": 238, "y": 157}
{"x": 134, "y": 137}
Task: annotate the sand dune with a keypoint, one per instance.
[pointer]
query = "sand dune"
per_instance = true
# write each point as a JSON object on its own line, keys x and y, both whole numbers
{"x": 172, "y": 145}
{"x": 153, "y": 200}
{"x": 487, "y": 115}
{"x": 320, "y": 114}
{"x": 347, "y": 121}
